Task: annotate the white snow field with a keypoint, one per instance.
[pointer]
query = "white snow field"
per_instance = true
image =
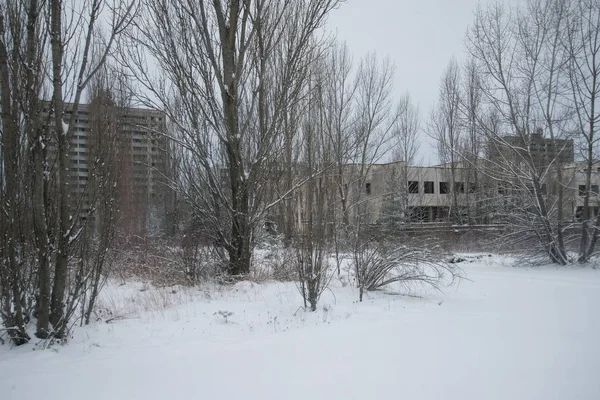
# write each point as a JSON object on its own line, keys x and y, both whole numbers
{"x": 509, "y": 333}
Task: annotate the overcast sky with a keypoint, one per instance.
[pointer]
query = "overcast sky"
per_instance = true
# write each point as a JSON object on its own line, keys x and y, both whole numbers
{"x": 421, "y": 36}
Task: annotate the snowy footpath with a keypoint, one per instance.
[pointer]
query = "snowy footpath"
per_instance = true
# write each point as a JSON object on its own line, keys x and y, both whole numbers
{"x": 506, "y": 333}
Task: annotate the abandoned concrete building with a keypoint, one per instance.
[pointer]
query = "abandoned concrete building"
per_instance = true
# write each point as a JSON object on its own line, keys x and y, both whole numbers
{"x": 429, "y": 195}
{"x": 140, "y": 151}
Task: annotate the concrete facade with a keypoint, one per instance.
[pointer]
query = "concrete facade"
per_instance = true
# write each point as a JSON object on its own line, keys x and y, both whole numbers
{"x": 142, "y": 157}
{"x": 429, "y": 193}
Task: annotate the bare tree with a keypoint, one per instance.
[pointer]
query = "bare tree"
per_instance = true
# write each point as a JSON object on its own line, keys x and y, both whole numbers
{"x": 51, "y": 46}
{"x": 517, "y": 55}
{"x": 339, "y": 100}
{"x": 471, "y": 148}
{"x": 406, "y": 145}
{"x": 72, "y": 39}
{"x": 406, "y": 131}
{"x": 98, "y": 201}
{"x": 315, "y": 200}
{"x": 14, "y": 61}
{"x": 233, "y": 69}
{"x": 376, "y": 119}
{"x": 583, "y": 43}
{"x": 445, "y": 127}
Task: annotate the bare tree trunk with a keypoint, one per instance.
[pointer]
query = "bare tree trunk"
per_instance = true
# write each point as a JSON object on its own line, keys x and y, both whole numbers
{"x": 64, "y": 217}
{"x": 12, "y": 311}
{"x": 40, "y": 177}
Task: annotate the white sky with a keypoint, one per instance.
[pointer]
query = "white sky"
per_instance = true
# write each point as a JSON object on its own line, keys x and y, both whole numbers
{"x": 420, "y": 36}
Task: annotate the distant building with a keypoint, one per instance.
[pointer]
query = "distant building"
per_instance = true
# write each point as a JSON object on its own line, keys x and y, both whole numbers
{"x": 429, "y": 193}
{"x": 543, "y": 150}
{"x": 425, "y": 192}
{"x": 140, "y": 151}
{"x": 575, "y": 189}
{"x": 422, "y": 195}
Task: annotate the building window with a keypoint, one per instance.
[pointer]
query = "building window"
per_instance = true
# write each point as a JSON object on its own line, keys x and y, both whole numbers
{"x": 582, "y": 190}
{"x": 579, "y": 214}
{"x": 595, "y": 189}
{"x": 368, "y": 188}
{"x": 472, "y": 187}
{"x": 443, "y": 187}
{"x": 428, "y": 187}
{"x": 459, "y": 187}
{"x": 413, "y": 186}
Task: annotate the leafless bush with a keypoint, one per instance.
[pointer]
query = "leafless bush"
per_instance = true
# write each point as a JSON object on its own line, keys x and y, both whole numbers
{"x": 195, "y": 260}
{"x": 377, "y": 264}
{"x": 314, "y": 272}
{"x": 166, "y": 264}
{"x": 273, "y": 261}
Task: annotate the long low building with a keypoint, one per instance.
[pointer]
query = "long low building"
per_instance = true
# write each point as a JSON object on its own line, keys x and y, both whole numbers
{"x": 462, "y": 194}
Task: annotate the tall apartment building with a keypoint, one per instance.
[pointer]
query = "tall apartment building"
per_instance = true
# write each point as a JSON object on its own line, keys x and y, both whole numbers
{"x": 138, "y": 148}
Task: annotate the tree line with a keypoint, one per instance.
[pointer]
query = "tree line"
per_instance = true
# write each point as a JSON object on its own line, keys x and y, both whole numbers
{"x": 271, "y": 126}
{"x": 530, "y": 81}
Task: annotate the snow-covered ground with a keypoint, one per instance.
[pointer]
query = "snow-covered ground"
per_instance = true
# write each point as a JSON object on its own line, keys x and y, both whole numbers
{"x": 508, "y": 333}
